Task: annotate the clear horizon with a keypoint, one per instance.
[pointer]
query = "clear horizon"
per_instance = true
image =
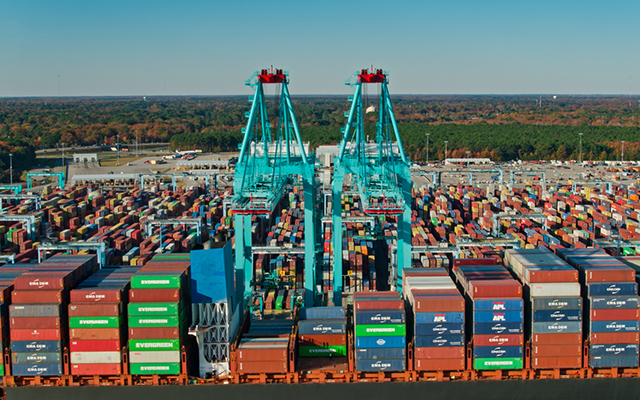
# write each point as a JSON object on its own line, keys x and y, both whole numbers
{"x": 75, "y": 48}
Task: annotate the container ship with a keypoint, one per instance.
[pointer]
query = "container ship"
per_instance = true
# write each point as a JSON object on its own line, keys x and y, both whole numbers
{"x": 319, "y": 275}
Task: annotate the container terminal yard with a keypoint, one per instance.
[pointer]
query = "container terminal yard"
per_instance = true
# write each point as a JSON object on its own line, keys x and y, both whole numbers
{"x": 348, "y": 265}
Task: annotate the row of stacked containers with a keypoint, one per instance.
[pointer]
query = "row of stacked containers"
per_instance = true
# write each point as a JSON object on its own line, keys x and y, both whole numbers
{"x": 67, "y": 302}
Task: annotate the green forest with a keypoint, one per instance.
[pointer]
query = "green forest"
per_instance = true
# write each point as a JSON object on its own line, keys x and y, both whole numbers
{"x": 499, "y": 127}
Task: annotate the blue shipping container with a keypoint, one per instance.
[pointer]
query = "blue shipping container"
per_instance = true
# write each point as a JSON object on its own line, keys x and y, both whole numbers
{"x": 36, "y": 369}
{"x": 613, "y": 302}
{"x": 612, "y": 289}
{"x": 557, "y": 315}
{"x": 380, "y": 365}
{"x": 497, "y": 352}
{"x": 439, "y": 318}
{"x": 322, "y": 313}
{"x": 322, "y": 326}
{"x": 376, "y": 342}
{"x": 35, "y": 358}
{"x": 498, "y": 305}
{"x": 497, "y": 316}
{"x": 614, "y": 350}
{"x": 557, "y": 327}
{"x": 438, "y": 329}
{"x": 372, "y": 317}
{"x": 613, "y": 361}
{"x": 615, "y": 326}
{"x": 380, "y": 354}
{"x": 499, "y": 328}
{"x": 439, "y": 341}
{"x": 557, "y": 303}
{"x": 46, "y": 346}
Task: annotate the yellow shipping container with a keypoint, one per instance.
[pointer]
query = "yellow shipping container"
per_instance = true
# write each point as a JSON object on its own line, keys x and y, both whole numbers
{"x": 134, "y": 261}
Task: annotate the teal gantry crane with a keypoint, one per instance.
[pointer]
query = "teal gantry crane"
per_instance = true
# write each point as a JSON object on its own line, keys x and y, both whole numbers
{"x": 379, "y": 172}
{"x": 266, "y": 165}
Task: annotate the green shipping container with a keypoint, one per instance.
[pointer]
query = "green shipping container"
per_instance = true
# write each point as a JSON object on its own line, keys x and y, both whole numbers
{"x": 155, "y": 369}
{"x": 381, "y": 330}
{"x": 154, "y": 309}
{"x": 322, "y": 351}
{"x": 158, "y": 321}
{"x": 154, "y": 345}
{"x": 498, "y": 363}
{"x": 2, "y": 369}
{"x": 94, "y": 322}
{"x": 156, "y": 281}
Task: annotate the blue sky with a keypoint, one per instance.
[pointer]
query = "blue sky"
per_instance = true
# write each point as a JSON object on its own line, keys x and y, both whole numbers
{"x": 209, "y": 47}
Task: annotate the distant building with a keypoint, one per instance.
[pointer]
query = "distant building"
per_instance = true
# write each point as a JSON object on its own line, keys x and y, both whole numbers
{"x": 458, "y": 161}
{"x": 88, "y": 157}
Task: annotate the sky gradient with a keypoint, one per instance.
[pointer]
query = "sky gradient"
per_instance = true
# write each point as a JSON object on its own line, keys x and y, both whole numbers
{"x": 210, "y": 47}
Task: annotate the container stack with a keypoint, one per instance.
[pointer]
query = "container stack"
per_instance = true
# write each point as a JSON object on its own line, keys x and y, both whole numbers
{"x": 38, "y": 317}
{"x": 97, "y": 330}
{"x": 380, "y": 332}
{"x": 157, "y": 319}
{"x": 554, "y": 306}
{"x": 265, "y": 347}
{"x": 611, "y": 294}
{"x": 438, "y": 315}
{"x": 494, "y": 304}
{"x": 322, "y": 332}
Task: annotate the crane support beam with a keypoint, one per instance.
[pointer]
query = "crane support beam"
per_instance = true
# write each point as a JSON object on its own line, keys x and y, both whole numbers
{"x": 99, "y": 247}
{"x": 197, "y": 222}
{"x": 31, "y": 175}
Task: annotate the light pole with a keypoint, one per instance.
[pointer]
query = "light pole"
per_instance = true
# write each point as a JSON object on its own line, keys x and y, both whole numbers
{"x": 622, "y": 152}
{"x": 468, "y": 152}
{"x": 11, "y": 167}
{"x": 445, "y": 150}
{"x": 63, "y": 157}
{"x": 427, "y": 146}
{"x": 580, "y": 156}
{"x": 137, "y": 149}
{"x": 117, "y": 150}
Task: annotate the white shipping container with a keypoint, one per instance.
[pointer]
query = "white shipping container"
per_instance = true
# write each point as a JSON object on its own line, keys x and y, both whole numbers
{"x": 95, "y": 357}
{"x": 154, "y": 356}
{"x": 554, "y": 289}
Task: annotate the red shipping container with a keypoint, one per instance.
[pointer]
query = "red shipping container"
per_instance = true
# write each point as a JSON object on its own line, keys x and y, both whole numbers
{"x": 556, "y": 362}
{"x": 95, "y": 295}
{"x": 438, "y": 303}
{"x": 438, "y": 352}
{"x": 562, "y": 350}
{"x": 495, "y": 289}
{"x": 154, "y": 295}
{"x": 259, "y": 367}
{"x": 96, "y": 369}
{"x": 614, "y": 337}
{"x": 48, "y": 280}
{"x": 94, "y": 334}
{"x": 544, "y": 275}
{"x": 36, "y": 296}
{"x": 266, "y": 353}
{"x": 34, "y": 323}
{"x": 623, "y": 274}
{"x": 382, "y": 304}
{"x": 322, "y": 340}
{"x": 498, "y": 340}
{"x": 154, "y": 333}
{"x": 35, "y": 334}
{"x": 556, "y": 338}
{"x": 443, "y": 364}
{"x": 626, "y": 314}
{"x": 94, "y": 345}
{"x": 95, "y": 310}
